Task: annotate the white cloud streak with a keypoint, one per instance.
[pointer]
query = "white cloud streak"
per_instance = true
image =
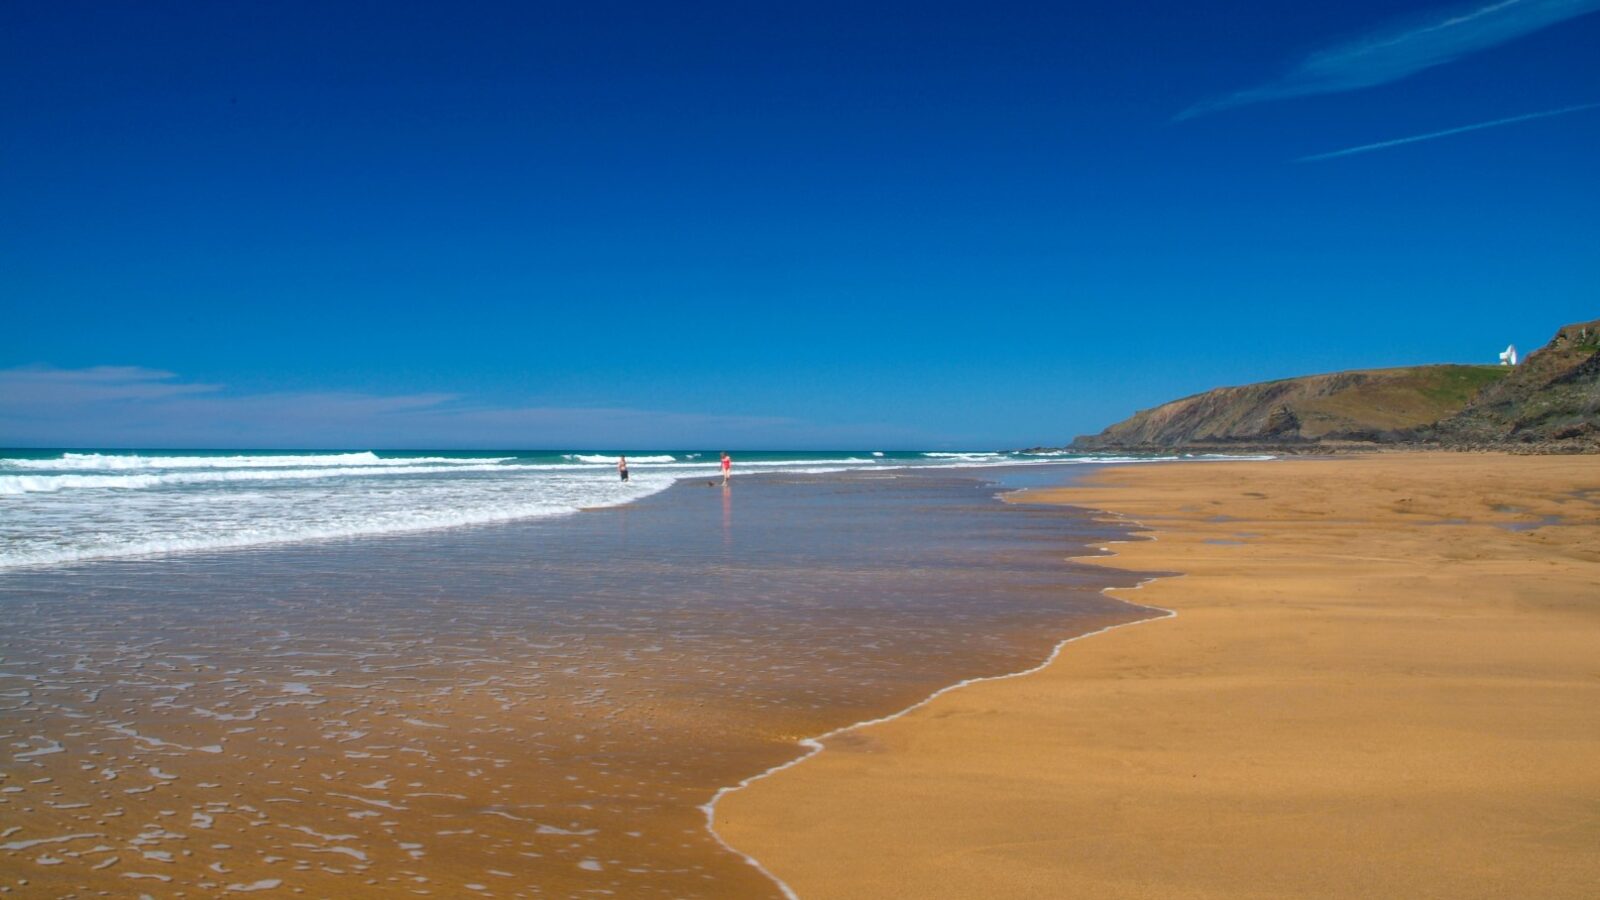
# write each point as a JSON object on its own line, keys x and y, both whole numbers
{"x": 129, "y": 406}
{"x": 1400, "y": 51}
{"x": 1368, "y": 148}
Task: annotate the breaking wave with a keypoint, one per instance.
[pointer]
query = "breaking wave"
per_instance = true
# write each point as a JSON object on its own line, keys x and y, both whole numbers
{"x": 123, "y": 462}
{"x": 63, "y": 507}
{"x": 279, "y": 526}
{"x": 29, "y": 484}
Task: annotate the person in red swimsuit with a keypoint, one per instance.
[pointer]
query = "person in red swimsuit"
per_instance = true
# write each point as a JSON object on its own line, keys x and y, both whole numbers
{"x": 727, "y": 467}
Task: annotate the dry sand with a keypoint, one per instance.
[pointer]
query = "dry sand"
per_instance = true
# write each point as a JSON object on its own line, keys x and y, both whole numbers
{"x": 1383, "y": 681}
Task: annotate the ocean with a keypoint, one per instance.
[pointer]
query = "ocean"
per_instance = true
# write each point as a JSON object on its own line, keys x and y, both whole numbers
{"x": 63, "y": 506}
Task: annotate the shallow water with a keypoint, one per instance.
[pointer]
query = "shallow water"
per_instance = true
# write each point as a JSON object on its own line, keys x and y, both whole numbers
{"x": 524, "y": 709}
{"x": 64, "y": 506}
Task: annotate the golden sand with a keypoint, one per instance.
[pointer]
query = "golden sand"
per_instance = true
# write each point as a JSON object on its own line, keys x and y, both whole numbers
{"x": 1383, "y": 680}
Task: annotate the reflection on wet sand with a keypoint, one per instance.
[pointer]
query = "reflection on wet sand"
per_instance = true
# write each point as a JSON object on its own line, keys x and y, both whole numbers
{"x": 523, "y": 710}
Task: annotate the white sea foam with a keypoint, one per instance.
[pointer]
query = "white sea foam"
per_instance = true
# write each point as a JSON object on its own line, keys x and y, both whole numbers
{"x": 51, "y": 483}
{"x": 82, "y": 506}
{"x": 265, "y": 884}
{"x": 39, "y": 484}
{"x": 283, "y": 533}
{"x": 212, "y": 517}
{"x": 24, "y": 845}
{"x": 595, "y": 458}
{"x": 858, "y": 461}
{"x": 30, "y": 484}
{"x": 122, "y": 462}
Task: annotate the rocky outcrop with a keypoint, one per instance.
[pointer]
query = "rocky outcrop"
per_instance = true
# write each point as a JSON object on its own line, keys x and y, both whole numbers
{"x": 1553, "y": 398}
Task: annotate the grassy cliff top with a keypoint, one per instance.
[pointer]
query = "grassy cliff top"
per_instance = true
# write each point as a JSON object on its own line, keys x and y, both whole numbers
{"x": 1551, "y": 401}
{"x": 1360, "y": 404}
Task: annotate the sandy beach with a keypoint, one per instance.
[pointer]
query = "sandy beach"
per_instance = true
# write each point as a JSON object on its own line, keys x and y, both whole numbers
{"x": 1382, "y": 679}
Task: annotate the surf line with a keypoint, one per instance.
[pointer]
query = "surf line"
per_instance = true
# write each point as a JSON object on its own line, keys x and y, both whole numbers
{"x": 815, "y": 745}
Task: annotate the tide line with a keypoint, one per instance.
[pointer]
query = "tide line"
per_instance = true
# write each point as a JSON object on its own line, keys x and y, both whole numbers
{"x": 814, "y": 745}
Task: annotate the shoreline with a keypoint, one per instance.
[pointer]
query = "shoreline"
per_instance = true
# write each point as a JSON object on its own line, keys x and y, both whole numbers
{"x": 598, "y": 706}
{"x": 814, "y": 745}
{"x": 576, "y": 483}
{"x": 1285, "y": 805}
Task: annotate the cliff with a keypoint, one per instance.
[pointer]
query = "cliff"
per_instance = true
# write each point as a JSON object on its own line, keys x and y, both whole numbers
{"x": 1553, "y": 397}
{"x": 1549, "y": 402}
{"x": 1361, "y": 405}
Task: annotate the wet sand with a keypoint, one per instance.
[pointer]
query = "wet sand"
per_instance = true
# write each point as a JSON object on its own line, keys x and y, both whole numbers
{"x": 528, "y": 709}
{"x": 1383, "y": 679}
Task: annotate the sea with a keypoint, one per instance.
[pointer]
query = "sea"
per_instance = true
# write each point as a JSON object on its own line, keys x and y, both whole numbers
{"x": 61, "y": 506}
{"x": 509, "y": 674}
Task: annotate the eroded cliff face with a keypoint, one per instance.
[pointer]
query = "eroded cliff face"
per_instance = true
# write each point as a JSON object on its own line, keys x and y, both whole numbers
{"x": 1551, "y": 402}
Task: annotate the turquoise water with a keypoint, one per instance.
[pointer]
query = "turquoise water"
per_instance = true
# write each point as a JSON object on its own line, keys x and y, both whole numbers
{"x": 68, "y": 505}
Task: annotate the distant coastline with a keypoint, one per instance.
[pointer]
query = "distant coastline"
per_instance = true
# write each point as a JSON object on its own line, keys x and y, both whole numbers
{"x": 1550, "y": 403}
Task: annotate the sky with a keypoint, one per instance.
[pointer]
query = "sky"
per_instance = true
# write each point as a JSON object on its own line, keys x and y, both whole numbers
{"x": 814, "y": 225}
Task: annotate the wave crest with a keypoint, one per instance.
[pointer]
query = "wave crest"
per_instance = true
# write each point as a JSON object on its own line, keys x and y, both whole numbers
{"x": 126, "y": 462}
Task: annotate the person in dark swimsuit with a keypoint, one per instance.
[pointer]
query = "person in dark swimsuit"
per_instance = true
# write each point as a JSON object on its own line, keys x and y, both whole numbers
{"x": 622, "y": 467}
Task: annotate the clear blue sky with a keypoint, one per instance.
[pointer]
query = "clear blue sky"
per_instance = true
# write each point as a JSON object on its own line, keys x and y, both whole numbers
{"x": 812, "y": 224}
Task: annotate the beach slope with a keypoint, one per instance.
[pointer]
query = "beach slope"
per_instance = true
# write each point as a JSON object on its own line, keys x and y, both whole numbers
{"x": 1383, "y": 679}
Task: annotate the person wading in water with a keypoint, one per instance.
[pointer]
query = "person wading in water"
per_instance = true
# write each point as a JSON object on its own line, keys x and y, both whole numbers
{"x": 622, "y": 467}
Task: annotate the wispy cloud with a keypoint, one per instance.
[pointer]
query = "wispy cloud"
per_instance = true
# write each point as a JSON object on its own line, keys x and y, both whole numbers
{"x": 44, "y": 386}
{"x": 1396, "y": 52}
{"x": 129, "y": 406}
{"x": 1367, "y": 148}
